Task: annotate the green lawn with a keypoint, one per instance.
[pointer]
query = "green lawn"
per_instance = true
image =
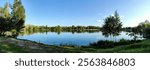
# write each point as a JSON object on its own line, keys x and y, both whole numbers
{"x": 6, "y": 47}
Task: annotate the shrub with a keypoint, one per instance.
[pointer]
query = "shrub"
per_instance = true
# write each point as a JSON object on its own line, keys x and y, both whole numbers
{"x": 146, "y": 33}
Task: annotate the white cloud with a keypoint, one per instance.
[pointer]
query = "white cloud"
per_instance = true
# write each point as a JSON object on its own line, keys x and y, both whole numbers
{"x": 112, "y": 14}
{"x": 99, "y": 21}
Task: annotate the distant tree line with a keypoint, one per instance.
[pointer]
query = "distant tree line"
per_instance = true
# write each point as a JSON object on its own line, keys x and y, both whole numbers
{"x": 35, "y": 29}
{"x": 64, "y": 28}
{"x": 12, "y": 17}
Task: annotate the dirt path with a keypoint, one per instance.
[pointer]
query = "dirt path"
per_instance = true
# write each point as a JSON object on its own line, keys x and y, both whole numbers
{"x": 21, "y": 43}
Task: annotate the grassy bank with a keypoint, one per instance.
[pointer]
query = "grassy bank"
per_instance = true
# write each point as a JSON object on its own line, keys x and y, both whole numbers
{"x": 11, "y": 45}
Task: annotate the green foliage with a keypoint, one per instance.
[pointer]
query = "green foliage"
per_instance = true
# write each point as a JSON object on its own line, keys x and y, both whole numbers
{"x": 5, "y": 19}
{"x": 112, "y": 44}
{"x": 145, "y": 24}
{"x": 18, "y": 17}
{"x": 112, "y": 25}
{"x": 144, "y": 28}
{"x": 31, "y": 29}
{"x": 13, "y": 20}
{"x": 146, "y": 33}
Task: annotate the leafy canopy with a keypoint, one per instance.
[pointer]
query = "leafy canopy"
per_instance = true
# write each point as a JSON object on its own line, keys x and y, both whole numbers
{"x": 112, "y": 24}
{"x": 14, "y": 19}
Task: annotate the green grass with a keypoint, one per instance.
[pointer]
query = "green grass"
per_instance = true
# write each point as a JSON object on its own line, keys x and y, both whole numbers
{"x": 11, "y": 48}
{"x": 140, "y": 47}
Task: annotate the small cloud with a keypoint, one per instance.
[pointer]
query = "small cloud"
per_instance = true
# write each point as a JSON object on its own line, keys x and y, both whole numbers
{"x": 99, "y": 20}
{"x": 112, "y": 14}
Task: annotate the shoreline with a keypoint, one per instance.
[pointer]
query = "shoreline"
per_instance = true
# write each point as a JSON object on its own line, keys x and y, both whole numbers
{"x": 12, "y": 45}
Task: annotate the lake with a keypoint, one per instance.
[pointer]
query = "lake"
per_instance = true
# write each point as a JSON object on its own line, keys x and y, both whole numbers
{"x": 68, "y": 38}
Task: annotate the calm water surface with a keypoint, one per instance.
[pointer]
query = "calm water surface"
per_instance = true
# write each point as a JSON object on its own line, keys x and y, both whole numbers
{"x": 68, "y": 38}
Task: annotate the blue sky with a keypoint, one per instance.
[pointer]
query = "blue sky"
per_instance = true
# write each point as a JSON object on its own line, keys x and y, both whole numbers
{"x": 83, "y": 12}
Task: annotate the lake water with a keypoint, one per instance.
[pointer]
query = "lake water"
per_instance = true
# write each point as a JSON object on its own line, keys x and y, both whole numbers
{"x": 68, "y": 38}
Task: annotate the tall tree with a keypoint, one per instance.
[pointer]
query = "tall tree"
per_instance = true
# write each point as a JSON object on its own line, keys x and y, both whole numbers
{"x": 18, "y": 15}
{"x": 112, "y": 25}
{"x": 14, "y": 20}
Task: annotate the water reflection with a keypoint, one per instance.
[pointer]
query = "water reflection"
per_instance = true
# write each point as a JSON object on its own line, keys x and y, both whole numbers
{"x": 77, "y": 38}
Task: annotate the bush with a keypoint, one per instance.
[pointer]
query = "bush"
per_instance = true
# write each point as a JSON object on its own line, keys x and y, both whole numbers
{"x": 103, "y": 44}
{"x": 146, "y": 33}
{"x": 112, "y": 44}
